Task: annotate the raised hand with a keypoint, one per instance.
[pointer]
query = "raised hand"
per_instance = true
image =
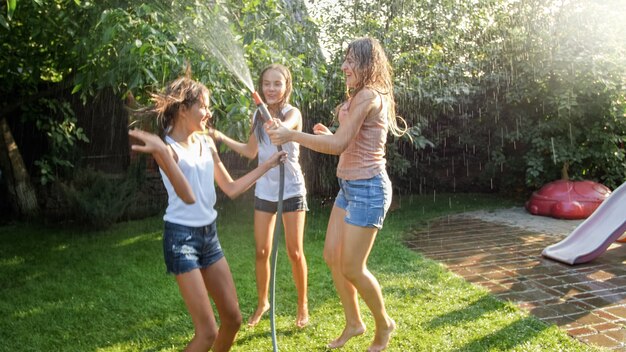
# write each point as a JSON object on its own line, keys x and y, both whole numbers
{"x": 151, "y": 142}
{"x": 214, "y": 134}
{"x": 321, "y": 129}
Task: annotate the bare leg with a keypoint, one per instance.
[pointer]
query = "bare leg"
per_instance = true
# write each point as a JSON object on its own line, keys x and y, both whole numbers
{"x": 263, "y": 234}
{"x": 194, "y": 293}
{"x": 357, "y": 244}
{"x": 294, "y": 240}
{"x": 219, "y": 283}
{"x": 346, "y": 291}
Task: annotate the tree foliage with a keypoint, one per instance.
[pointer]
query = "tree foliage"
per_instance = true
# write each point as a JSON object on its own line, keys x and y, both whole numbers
{"x": 508, "y": 91}
{"x": 85, "y": 47}
{"x": 500, "y": 94}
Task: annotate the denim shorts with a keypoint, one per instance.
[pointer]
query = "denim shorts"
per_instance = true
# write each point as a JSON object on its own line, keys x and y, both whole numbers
{"x": 297, "y": 203}
{"x": 186, "y": 248}
{"x": 365, "y": 201}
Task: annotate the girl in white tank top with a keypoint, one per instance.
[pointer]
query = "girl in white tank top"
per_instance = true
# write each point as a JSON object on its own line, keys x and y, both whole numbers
{"x": 275, "y": 87}
{"x": 190, "y": 166}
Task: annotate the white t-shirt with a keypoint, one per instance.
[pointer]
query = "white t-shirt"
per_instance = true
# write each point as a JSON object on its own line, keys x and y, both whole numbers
{"x": 267, "y": 186}
{"x": 198, "y": 167}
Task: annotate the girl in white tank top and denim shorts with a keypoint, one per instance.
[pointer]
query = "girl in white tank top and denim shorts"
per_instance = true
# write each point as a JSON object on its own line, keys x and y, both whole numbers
{"x": 275, "y": 86}
{"x": 190, "y": 167}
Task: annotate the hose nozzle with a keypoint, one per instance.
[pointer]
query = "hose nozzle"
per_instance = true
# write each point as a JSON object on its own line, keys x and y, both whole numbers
{"x": 261, "y": 106}
{"x": 257, "y": 98}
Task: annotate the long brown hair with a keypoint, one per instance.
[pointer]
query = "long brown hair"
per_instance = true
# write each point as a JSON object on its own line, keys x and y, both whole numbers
{"x": 373, "y": 71}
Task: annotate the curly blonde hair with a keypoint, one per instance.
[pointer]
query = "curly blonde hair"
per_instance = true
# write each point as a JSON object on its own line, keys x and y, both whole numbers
{"x": 373, "y": 71}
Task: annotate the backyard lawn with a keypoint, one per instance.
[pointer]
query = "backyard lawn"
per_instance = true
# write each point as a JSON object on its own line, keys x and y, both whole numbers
{"x": 66, "y": 290}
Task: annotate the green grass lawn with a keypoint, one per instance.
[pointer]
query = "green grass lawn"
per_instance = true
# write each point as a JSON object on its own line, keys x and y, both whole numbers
{"x": 62, "y": 290}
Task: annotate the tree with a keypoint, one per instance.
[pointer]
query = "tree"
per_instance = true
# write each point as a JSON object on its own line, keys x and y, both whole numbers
{"x": 18, "y": 181}
{"x": 68, "y": 47}
{"x": 496, "y": 84}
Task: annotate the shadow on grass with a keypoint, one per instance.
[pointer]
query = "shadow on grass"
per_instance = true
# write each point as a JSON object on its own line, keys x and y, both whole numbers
{"x": 471, "y": 312}
{"x": 62, "y": 291}
{"x": 508, "y": 337}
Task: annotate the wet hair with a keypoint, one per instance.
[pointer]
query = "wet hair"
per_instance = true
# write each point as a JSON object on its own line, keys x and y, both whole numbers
{"x": 181, "y": 92}
{"x": 373, "y": 71}
{"x": 257, "y": 127}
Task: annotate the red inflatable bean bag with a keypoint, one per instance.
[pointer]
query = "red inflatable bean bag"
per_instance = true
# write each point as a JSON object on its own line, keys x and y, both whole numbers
{"x": 564, "y": 199}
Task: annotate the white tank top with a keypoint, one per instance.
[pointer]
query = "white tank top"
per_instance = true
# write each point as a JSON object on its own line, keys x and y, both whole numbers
{"x": 197, "y": 166}
{"x": 267, "y": 186}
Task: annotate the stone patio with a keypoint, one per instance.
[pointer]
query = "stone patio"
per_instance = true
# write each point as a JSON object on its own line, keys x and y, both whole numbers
{"x": 586, "y": 300}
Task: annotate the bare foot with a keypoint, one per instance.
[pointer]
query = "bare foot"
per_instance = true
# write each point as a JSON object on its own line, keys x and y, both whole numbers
{"x": 256, "y": 317}
{"x": 348, "y": 333}
{"x": 303, "y": 318}
{"x": 382, "y": 336}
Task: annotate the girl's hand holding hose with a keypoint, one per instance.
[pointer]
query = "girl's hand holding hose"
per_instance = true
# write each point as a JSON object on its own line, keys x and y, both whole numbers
{"x": 277, "y": 158}
{"x": 278, "y": 133}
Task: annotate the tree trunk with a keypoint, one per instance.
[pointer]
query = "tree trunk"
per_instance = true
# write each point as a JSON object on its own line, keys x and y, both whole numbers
{"x": 22, "y": 196}
{"x": 564, "y": 173}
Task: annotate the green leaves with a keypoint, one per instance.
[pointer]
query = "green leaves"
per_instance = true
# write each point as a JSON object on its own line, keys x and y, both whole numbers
{"x": 11, "y": 5}
{"x": 56, "y": 121}
{"x": 490, "y": 83}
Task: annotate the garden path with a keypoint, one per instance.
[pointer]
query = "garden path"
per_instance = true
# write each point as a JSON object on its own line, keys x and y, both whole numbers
{"x": 501, "y": 251}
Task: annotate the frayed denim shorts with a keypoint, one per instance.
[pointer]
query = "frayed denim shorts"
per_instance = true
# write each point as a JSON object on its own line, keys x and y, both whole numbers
{"x": 297, "y": 203}
{"x": 365, "y": 201}
{"x": 186, "y": 248}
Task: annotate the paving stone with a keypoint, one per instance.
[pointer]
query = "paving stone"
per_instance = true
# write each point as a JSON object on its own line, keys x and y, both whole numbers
{"x": 550, "y": 282}
{"x": 606, "y": 327}
{"x": 545, "y": 312}
{"x": 579, "y": 332}
{"x": 567, "y": 308}
{"x": 601, "y": 275}
{"x": 602, "y": 340}
{"x": 606, "y": 315}
{"x": 619, "y": 312}
{"x": 583, "y": 305}
{"x": 559, "y": 321}
{"x": 619, "y": 334}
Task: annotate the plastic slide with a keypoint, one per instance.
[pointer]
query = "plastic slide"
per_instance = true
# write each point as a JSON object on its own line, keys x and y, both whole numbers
{"x": 594, "y": 235}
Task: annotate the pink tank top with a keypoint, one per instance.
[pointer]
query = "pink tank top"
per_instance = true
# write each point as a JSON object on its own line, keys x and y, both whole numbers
{"x": 365, "y": 156}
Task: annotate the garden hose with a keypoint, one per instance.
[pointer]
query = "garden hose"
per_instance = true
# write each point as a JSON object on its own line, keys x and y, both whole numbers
{"x": 277, "y": 228}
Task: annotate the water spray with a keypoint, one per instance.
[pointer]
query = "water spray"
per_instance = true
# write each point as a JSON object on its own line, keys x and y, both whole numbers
{"x": 262, "y": 108}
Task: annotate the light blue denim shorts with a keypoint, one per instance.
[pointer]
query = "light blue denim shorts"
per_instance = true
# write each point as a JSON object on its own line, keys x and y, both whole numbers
{"x": 365, "y": 201}
{"x": 186, "y": 248}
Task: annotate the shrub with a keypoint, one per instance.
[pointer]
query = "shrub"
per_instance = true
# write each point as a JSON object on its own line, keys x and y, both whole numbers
{"x": 97, "y": 200}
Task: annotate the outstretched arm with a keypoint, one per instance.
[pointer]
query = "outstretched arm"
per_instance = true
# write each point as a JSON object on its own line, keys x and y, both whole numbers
{"x": 362, "y": 104}
{"x": 292, "y": 121}
{"x": 166, "y": 160}
{"x": 234, "y": 188}
{"x": 248, "y": 150}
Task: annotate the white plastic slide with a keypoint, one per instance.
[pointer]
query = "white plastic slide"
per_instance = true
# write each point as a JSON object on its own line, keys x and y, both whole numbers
{"x": 594, "y": 235}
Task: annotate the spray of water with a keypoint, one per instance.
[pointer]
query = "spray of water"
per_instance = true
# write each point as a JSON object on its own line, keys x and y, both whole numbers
{"x": 208, "y": 31}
